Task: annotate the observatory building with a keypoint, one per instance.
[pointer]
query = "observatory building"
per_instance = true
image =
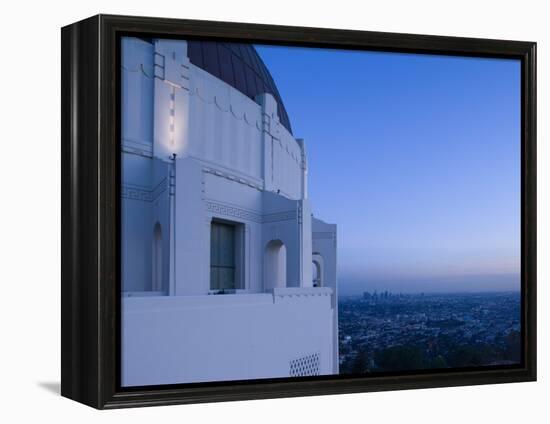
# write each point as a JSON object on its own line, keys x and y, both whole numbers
{"x": 226, "y": 274}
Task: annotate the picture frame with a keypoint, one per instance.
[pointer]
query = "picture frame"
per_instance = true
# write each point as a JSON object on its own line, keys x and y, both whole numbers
{"x": 90, "y": 175}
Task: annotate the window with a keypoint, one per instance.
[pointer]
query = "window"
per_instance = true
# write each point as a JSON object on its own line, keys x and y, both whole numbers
{"x": 222, "y": 256}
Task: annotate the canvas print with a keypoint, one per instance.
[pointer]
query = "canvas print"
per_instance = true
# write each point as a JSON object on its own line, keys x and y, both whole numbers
{"x": 292, "y": 212}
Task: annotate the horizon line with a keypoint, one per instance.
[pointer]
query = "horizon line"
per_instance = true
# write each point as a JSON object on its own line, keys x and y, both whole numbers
{"x": 434, "y": 292}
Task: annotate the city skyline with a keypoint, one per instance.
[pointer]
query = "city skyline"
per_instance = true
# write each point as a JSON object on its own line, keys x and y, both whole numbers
{"x": 435, "y": 285}
{"x": 424, "y": 150}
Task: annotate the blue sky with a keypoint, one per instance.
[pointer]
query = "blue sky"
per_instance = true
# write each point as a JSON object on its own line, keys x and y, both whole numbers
{"x": 416, "y": 158}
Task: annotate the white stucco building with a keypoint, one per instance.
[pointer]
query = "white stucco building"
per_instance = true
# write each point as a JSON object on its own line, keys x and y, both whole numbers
{"x": 226, "y": 275}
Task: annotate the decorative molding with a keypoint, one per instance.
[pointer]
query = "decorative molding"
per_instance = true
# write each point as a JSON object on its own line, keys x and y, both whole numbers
{"x": 172, "y": 177}
{"x": 279, "y": 216}
{"x": 137, "y": 147}
{"x": 280, "y": 293}
{"x": 234, "y": 178}
{"x": 266, "y": 121}
{"x": 251, "y": 117}
{"x": 143, "y": 194}
{"x": 236, "y": 212}
{"x": 233, "y": 211}
{"x": 140, "y": 68}
{"x": 159, "y": 63}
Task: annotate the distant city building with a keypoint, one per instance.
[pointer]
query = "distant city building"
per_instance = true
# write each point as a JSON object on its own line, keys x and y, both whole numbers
{"x": 226, "y": 275}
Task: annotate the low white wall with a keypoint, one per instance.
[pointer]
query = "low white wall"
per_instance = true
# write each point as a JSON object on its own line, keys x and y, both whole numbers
{"x": 182, "y": 339}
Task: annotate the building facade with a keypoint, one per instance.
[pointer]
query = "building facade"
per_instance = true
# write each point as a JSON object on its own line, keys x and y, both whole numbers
{"x": 226, "y": 274}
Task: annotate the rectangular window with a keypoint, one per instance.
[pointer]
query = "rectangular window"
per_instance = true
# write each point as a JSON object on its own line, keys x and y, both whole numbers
{"x": 222, "y": 256}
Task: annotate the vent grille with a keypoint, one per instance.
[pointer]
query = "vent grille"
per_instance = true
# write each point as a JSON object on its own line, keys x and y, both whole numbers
{"x": 305, "y": 366}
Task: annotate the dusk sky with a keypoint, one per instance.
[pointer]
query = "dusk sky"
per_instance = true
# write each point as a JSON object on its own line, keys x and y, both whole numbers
{"x": 416, "y": 158}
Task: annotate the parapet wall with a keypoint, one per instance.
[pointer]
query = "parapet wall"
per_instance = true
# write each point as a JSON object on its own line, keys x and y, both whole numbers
{"x": 181, "y": 339}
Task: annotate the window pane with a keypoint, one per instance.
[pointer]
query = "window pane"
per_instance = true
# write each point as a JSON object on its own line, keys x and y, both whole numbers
{"x": 222, "y": 256}
{"x": 214, "y": 236}
{"x": 214, "y": 285}
{"x": 226, "y": 278}
{"x": 227, "y": 246}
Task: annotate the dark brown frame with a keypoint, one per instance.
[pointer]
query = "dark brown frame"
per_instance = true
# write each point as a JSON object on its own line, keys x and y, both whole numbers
{"x": 90, "y": 204}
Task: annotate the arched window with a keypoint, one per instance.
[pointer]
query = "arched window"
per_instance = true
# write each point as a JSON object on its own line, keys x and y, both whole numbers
{"x": 275, "y": 265}
{"x": 157, "y": 259}
{"x": 317, "y": 271}
{"x": 316, "y": 274}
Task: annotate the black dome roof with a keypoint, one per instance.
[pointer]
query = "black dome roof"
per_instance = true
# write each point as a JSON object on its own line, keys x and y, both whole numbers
{"x": 240, "y": 66}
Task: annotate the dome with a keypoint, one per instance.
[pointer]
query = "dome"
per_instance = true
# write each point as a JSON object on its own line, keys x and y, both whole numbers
{"x": 238, "y": 65}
